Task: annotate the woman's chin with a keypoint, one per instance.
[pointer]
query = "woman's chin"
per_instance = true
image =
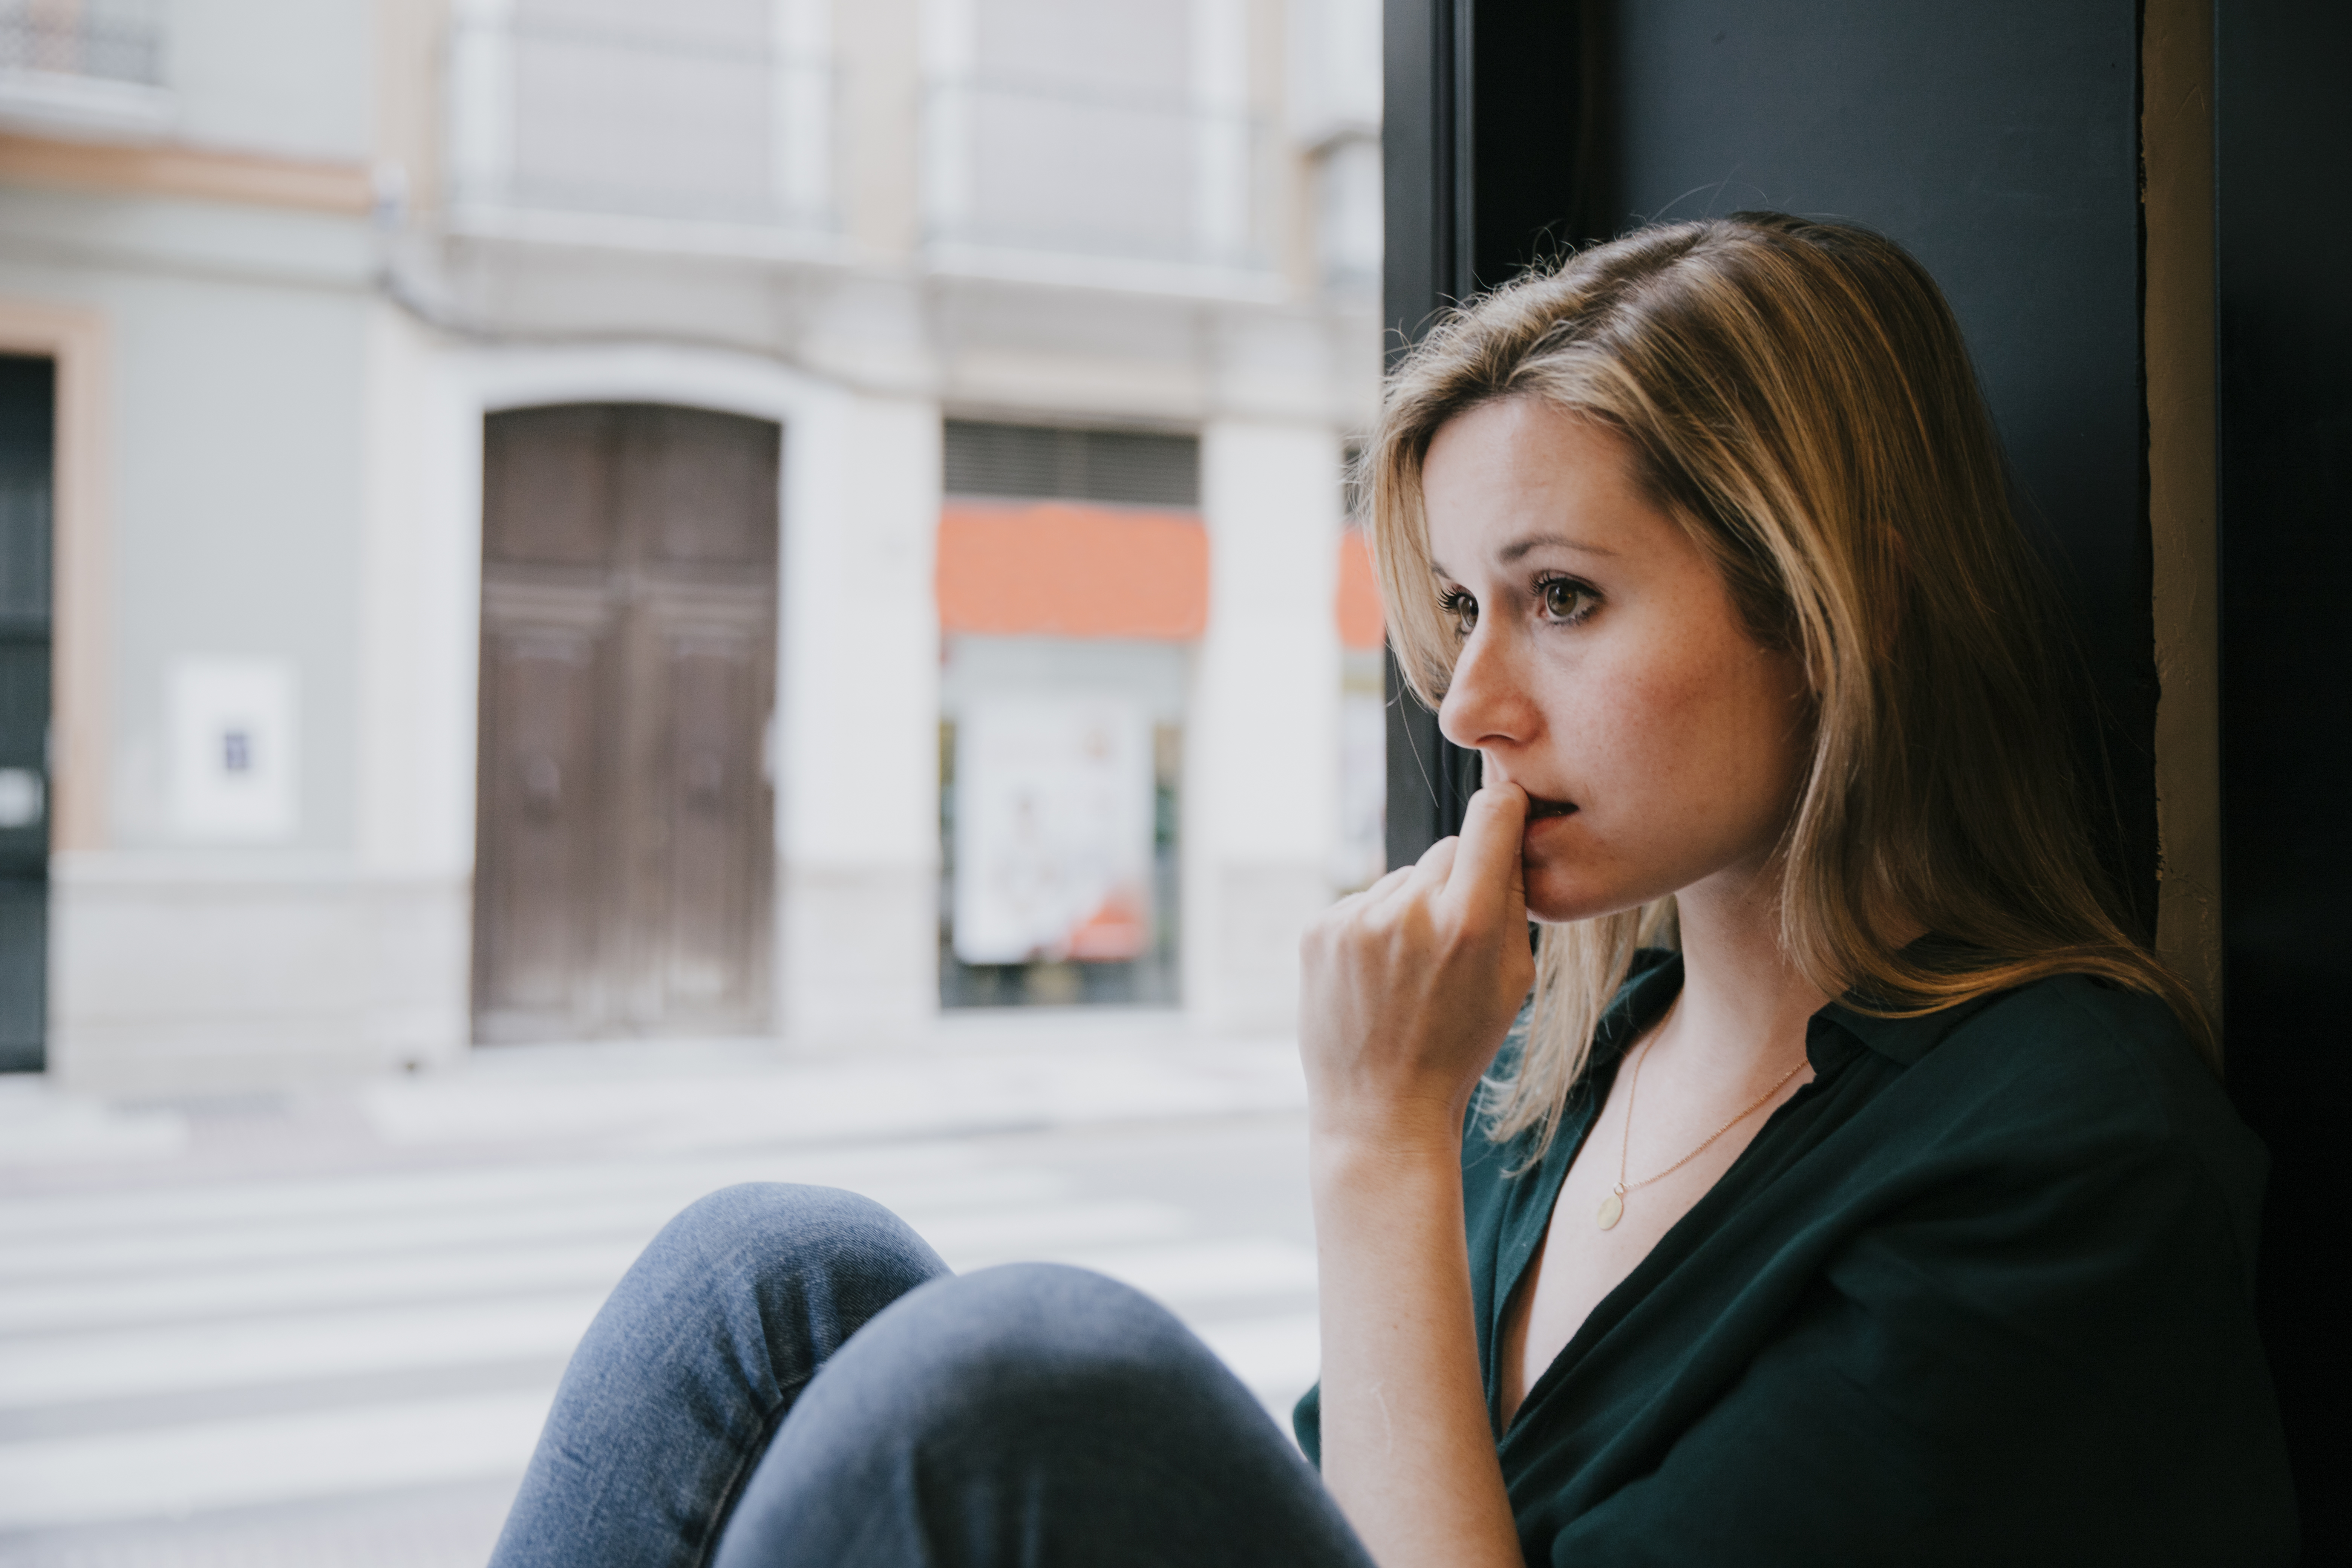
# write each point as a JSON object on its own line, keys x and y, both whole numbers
{"x": 1557, "y": 895}
{"x": 1560, "y": 883}
{"x": 1557, "y": 899}
{"x": 1557, "y": 912}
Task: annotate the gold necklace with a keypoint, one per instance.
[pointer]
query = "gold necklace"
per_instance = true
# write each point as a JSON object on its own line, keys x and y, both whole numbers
{"x": 1612, "y": 1208}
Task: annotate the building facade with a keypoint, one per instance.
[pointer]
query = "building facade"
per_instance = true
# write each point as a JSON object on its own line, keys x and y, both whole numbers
{"x": 505, "y": 579}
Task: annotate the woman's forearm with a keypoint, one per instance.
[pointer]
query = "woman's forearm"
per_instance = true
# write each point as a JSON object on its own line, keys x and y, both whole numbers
{"x": 1406, "y": 990}
{"x": 1407, "y": 1448}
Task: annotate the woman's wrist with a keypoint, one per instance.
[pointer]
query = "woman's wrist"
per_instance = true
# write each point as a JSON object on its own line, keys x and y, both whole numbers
{"x": 1359, "y": 1157}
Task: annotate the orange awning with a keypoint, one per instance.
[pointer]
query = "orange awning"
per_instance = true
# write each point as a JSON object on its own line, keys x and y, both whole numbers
{"x": 1072, "y": 569}
{"x": 1075, "y": 569}
{"x": 1361, "y": 623}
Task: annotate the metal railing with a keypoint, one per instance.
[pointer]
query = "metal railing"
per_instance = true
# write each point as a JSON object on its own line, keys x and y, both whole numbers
{"x": 647, "y": 123}
{"x": 1053, "y": 168}
{"x": 101, "y": 41}
{"x": 578, "y": 121}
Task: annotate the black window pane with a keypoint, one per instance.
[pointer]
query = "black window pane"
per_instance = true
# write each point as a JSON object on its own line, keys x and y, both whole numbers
{"x": 1045, "y": 462}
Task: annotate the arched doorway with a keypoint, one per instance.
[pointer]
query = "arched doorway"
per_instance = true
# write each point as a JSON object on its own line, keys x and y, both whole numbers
{"x": 625, "y": 805}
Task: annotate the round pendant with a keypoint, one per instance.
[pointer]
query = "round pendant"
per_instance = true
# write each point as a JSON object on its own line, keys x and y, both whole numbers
{"x": 1611, "y": 1210}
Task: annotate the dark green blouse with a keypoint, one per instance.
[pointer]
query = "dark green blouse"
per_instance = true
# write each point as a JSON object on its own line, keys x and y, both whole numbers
{"x": 1981, "y": 1292}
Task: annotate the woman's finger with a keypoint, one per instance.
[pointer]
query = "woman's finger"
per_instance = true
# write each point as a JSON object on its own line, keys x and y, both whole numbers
{"x": 1431, "y": 872}
{"x": 1487, "y": 868}
{"x": 1373, "y": 897}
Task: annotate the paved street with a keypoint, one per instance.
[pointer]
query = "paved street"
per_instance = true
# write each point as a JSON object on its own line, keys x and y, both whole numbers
{"x": 323, "y": 1329}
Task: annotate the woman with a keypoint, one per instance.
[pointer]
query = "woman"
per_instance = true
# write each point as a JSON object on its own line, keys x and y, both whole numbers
{"x": 1898, "y": 1216}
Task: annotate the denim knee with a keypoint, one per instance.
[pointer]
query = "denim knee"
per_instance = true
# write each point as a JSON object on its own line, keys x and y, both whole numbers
{"x": 1056, "y": 1363}
{"x": 1026, "y": 1352}
{"x": 1016, "y": 1414}
{"x": 817, "y": 1253}
{"x": 1050, "y": 1330}
{"x": 696, "y": 1357}
{"x": 774, "y": 1222}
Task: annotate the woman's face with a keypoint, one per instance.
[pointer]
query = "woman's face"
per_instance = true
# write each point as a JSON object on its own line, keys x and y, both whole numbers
{"x": 1603, "y": 668}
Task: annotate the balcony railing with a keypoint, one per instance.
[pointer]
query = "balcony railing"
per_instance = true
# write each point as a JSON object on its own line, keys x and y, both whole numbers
{"x": 83, "y": 64}
{"x": 656, "y": 122}
{"x": 557, "y": 128}
{"x": 1042, "y": 169}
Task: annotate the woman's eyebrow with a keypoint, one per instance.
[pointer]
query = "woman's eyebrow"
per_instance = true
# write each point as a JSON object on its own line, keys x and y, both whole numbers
{"x": 1521, "y": 546}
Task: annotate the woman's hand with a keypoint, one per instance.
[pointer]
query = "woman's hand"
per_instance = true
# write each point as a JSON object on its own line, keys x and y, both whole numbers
{"x": 1408, "y": 986}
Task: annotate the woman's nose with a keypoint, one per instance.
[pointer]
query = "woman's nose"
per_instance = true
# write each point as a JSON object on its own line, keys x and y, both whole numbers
{"x": 1485, "y": 702}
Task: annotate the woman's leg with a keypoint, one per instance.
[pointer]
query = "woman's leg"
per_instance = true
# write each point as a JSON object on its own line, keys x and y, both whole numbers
{"x": 1031, "y": 1415}
{"x": 682, "y": 1379}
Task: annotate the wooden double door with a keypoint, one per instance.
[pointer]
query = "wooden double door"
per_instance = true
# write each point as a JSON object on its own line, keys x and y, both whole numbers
{"x": 624, "y": 852}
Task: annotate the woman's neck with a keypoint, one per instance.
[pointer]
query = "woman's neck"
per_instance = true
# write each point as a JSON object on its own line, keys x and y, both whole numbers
{"x": 1744, "y": 1005}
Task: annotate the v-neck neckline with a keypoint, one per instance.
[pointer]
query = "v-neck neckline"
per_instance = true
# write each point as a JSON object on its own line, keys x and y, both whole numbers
{"x": 1644, "y": 1002}
{"x": 1636, "y": 1011}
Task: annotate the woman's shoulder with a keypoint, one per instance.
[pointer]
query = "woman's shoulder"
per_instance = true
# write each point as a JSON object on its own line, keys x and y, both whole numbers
{"x": 2070, "y": 1071}
{"x": 2080, "y": 1044}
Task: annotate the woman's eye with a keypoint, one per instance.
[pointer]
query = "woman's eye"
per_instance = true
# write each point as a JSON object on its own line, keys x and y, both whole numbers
{"x": 1463, "y": 609}
{"x": 1566, "y": 601}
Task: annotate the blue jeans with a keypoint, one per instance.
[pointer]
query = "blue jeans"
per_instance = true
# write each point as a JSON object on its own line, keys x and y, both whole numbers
{"x": 789, "y": 1375}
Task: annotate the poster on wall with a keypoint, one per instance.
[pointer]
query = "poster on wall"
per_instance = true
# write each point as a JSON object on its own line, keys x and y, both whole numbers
{"x": 1053, "y": 830}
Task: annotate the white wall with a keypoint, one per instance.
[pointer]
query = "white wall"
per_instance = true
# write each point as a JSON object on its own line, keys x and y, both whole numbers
{"x": 1261, "y": 768}
{"x": 857, "y": 810}
{"x": 239, "y": 435}
{"x": 293, "y": 77}
{"x": 234, "y": 427}
{"x": 234, "y": 431}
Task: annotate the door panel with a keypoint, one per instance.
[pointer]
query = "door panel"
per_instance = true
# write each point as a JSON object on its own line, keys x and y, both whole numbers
{"x": 23, "y": 971}
{"x": 698, "y": 489}
{"x": 28, "y": 437}
{"x": 627, "y": 674}
{"x": 546, "y": 487}
{"x": 538, "y": 946}
{"x": 24, "y": 742}
{"x": 716, "y": 892}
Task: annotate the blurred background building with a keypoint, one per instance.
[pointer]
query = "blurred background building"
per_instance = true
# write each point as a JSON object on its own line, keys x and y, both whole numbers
{"x": 568, "y": 518}
{"x": 524, "y": 519}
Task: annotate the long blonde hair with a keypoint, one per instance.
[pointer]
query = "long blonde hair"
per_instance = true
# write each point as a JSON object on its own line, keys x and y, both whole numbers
{"x": 1797, "y": 396}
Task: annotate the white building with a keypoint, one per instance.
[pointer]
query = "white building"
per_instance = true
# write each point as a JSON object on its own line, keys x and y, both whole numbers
{"x": 426, "y": 378}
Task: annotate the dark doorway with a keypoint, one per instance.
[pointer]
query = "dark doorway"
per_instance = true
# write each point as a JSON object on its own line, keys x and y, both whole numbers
{"x": 1999, "y": 143}
{"x": 28, "y": 440}
{"x": 625, "y": 850}
{"x": 2285, "y": 337}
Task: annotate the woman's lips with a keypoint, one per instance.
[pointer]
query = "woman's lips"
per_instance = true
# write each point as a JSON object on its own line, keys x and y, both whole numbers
{"x": 1542, "y": 808}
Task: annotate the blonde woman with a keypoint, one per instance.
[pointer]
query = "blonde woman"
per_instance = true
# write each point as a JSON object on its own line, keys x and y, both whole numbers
{"x": 1838, "y": 1181}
